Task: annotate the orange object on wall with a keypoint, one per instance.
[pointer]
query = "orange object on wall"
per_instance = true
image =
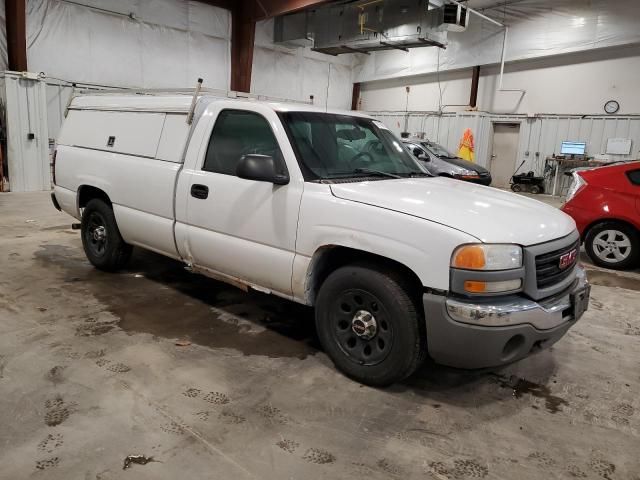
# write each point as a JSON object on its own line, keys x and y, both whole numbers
{"x": 466, "y": 147}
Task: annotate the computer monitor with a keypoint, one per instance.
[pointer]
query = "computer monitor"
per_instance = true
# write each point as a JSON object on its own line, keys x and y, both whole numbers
{"x": 573, "y": 148}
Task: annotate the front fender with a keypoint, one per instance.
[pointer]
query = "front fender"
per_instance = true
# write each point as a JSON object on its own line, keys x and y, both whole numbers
{"x": 422, "y": 246}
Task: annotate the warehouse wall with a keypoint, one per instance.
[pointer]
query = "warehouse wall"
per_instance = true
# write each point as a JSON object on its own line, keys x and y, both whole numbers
{"x": 170, "y": 43}
{"x": 140, "y": 43}
{"x": 567, "y": 84}
{"x": 299, "y": 72}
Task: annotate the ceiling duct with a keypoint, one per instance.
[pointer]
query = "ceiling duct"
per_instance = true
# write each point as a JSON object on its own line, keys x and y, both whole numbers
{"x": 294, "y": 30}
{"x": 370, "y": 25}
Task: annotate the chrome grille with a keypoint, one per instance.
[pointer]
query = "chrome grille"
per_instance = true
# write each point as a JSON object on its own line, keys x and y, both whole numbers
{"x": 548, "y": 271}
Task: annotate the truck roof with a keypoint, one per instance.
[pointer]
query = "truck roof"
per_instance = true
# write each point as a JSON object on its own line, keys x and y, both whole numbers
{"x": 180, "y": 103}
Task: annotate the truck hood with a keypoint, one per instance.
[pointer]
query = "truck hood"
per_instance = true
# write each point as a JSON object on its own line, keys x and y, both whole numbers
{"x": 489, "y": 214}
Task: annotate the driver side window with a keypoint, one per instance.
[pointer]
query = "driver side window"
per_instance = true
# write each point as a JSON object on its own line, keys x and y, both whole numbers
{"x": 237, "y": 133}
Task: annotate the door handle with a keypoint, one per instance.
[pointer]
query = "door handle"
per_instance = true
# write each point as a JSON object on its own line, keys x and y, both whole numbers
{"x": 199, "y": 191}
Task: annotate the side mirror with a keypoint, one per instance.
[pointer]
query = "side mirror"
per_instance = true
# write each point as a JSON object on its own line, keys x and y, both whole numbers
{"x": 261, "y": 168}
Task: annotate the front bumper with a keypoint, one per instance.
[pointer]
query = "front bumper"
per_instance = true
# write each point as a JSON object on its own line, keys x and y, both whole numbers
{"x": 473, "y": 334}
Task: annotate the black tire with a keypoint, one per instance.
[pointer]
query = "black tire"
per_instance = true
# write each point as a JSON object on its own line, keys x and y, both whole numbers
{"x": 105, "y": 249}
{"x": 595, "y": 242}
{"x": 398, "y": 346}
{"x": 516, "y": 187}
{"x": 535, "y": 189}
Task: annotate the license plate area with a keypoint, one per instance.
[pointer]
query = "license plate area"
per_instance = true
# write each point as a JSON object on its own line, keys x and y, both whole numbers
{"x": 580, "y": 301}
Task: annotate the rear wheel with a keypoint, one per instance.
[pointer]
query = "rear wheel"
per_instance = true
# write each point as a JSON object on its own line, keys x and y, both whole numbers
{"x": 613, "y": 245}
{"x": 101, "y": 239}
{"x": 535, "y": 189}
{"x": 369, "y": 325}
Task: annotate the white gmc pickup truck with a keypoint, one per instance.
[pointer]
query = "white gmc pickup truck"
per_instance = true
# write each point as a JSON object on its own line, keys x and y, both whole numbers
{"x": 327, "y": 209}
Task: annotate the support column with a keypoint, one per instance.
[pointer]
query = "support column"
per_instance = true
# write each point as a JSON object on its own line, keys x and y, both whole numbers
{"x": 243, "y": 33}
{"x": 16, "y": 20}
{"x": 355, "y": 96}
{"x": 475, "y": 80}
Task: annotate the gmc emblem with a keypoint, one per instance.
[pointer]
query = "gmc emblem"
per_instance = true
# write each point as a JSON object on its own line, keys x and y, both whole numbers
{"x": 567, "y": 259}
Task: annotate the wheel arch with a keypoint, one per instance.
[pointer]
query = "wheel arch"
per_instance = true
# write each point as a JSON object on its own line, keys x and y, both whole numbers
{"x": 89, "y": 192}
{"x": 618, "y": 220}
{"x": 328, "y": 258}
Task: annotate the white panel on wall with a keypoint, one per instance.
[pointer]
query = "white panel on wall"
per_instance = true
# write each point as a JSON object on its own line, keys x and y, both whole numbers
{"x": 110, "y": 42}
{"x": 340, "y": 87}
{"x": 167, "y": 43}
{"x": 275, "y": 73}
{"x": 212, "y": 21}
{"x": 164, "y": 12}
{"x": 163, "y": 57}
{"x": 299, "y": 72}
{"x": 210, "y": 59}
{"x": 315, "y": 81}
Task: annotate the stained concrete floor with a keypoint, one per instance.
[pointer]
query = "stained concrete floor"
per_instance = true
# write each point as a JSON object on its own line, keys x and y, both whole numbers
{"x": 94, "y": 367}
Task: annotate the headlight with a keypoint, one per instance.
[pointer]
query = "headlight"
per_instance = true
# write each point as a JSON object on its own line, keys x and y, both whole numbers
{"x": 465, "y": 173}
{"x": 483, "y": 256}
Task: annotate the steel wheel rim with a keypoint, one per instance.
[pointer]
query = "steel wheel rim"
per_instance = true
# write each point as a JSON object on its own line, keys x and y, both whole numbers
{"x": 349, "y": 311}
{"x": 96, "y": 234}
{"x": 612, "y": 246}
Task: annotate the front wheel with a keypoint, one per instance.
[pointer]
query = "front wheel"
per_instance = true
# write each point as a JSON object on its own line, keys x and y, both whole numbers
{"x": 101, "y": 239}
{"x": 516, "y": 187}
{"x": 613, "y": 245}
{"x": 369, "y": 325}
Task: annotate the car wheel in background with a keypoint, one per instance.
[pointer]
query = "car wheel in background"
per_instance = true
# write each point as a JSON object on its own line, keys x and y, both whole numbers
{"x": 370, "y": 325}
{"x": 613, "y": 245}
{"x": 101, "y": 239}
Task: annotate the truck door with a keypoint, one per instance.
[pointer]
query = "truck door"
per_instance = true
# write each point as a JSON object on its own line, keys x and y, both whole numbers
{"x": 243, "y": 229}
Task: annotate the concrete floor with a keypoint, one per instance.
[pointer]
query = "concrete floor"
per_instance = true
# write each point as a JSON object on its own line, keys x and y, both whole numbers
{"x": 93, "y": 368}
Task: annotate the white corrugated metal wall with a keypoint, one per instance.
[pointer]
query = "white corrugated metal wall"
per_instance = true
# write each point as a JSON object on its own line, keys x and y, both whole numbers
{"x": 542, "y": 134}
{"x": 27, "y": 134}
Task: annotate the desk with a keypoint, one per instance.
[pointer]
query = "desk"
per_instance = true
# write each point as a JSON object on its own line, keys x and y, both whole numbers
{"x": 564, "y": 164}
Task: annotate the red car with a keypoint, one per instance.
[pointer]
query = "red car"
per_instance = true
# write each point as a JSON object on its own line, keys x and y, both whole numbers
{"x": 605, "y": 203}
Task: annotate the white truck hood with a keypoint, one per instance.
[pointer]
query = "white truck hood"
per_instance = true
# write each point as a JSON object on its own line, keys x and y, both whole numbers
{"x": 489, "y": 214}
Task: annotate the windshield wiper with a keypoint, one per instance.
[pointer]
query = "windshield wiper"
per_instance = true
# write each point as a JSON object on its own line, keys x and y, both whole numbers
{"x": 372, "y": 171}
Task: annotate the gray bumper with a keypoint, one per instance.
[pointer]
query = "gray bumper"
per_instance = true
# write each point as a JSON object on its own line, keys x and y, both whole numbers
{"x": 472, "y": 334}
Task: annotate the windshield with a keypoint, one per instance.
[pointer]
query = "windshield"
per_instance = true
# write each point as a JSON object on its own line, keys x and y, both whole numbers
{"x": 338, "y": 146}
{"x": 438, "y": 150}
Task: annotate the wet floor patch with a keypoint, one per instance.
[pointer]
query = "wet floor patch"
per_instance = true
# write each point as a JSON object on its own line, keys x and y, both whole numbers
{"x": 612, "y": 279}
{"x": 157, "y": 295}
{"x": 136, "y": 459}
{"x": 522, "y": 386}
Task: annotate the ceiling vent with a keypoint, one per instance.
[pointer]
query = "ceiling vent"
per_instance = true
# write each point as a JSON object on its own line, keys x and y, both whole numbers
{"x": 365, "y": 26}
{"x": 455, "y": 17}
